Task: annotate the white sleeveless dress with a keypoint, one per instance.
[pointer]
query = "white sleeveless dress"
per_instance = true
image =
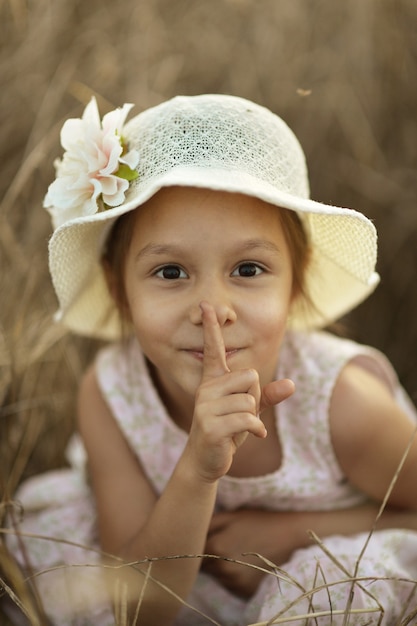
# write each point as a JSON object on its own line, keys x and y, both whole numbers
{"x": 61, "y": 504}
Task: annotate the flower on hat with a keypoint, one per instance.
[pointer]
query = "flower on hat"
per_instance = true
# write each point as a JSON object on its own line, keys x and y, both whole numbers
{"x": 96, "y": 168}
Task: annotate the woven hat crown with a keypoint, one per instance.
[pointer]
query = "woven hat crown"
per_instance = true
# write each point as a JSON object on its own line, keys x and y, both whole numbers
{"x": 217, "y": 132}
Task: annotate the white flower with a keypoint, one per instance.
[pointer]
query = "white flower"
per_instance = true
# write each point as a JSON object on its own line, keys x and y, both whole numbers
{"x": 95, "y": 168}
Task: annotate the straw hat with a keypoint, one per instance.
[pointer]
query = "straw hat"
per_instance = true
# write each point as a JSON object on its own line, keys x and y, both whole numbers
{"x": 212, "y": 141}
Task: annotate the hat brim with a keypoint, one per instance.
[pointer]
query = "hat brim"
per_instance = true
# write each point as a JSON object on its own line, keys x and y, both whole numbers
{"x": 334, "y": 286}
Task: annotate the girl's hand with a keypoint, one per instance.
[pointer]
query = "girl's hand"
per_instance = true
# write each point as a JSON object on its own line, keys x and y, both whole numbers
{"x": 227, "y": 405}
{"x": 234, "y": 534}
{"x": 241, "y": 535}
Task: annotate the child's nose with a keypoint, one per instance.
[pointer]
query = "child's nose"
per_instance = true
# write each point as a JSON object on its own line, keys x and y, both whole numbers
{"x": 219, "y": 300}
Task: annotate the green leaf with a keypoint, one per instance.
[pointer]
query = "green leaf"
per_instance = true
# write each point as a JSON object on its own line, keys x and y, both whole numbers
{"x": 126, "y": 172}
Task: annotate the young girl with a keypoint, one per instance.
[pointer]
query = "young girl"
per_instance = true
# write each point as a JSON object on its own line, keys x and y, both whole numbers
{"x": 221, "y": 420}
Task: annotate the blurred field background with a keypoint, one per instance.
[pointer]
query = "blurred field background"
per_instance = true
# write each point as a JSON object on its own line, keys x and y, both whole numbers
{"x": 342, "y": 74}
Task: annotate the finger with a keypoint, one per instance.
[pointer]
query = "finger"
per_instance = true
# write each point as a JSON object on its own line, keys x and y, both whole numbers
{"x": 275, "y": 392}
{"x": 214, "y": 357}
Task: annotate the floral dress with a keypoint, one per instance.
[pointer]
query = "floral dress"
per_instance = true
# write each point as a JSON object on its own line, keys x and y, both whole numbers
{"x": 317, "y": 579}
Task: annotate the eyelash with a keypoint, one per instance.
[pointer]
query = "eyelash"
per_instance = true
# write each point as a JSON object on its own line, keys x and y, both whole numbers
{"x": 159, "y": 273}
{"x": 258, "y": 269}
{"x": 171, "y": 266}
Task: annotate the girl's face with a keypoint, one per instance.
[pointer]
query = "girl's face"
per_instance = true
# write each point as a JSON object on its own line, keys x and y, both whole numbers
{"x": 190, "y": 245}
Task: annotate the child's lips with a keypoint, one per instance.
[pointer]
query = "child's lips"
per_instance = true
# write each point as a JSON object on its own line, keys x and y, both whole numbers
{"x": 199, "y": 353}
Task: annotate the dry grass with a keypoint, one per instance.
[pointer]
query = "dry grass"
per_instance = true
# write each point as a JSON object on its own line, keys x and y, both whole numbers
{"x": 342, "y": 75}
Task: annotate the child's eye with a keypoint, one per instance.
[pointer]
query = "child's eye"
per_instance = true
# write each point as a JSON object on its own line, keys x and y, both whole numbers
{"x": 247, "y": 270}
{"x": 171, "y": 272}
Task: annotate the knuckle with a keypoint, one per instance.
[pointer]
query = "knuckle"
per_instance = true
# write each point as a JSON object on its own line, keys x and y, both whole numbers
{"x": 254, "y": 375}
{"x": 250, "y": 402}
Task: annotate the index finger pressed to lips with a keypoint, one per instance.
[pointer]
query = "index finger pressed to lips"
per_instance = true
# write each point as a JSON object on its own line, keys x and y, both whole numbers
{"x": 214, "y": 358}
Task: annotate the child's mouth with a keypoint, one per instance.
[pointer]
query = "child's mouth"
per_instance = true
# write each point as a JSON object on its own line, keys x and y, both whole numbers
{"x": 199, "y": 354}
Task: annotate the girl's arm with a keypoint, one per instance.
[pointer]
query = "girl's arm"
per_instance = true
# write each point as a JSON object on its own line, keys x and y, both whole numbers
{"x": 276, "y": 535}
{"x": 133, "y": 522}
{"x": 370, "y": 434}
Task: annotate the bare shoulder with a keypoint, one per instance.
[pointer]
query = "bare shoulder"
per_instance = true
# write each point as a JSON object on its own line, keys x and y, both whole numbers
{"x": 95, "y": 420}
{"x": 359, "y": 402}
{"x": 90, "y": 401}
{"x": 123, "y": 494}
{"x": 370, "y": 434}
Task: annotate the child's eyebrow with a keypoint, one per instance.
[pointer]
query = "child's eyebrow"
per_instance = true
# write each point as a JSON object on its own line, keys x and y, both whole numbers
{"x": 156, "y": 249}
{"x": 265, "y": 244}
{"x": 246, "y": 245}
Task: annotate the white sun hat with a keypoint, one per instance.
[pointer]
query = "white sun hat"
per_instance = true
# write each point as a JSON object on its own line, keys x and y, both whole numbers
{"x": 216, "y": 142}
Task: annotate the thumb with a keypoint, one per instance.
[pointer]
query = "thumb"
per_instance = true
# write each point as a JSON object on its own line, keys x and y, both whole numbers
{"x": 275, "y": 392}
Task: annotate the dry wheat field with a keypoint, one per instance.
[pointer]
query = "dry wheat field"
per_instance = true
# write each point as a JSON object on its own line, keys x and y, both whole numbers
{"x": 342, "y": 74}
